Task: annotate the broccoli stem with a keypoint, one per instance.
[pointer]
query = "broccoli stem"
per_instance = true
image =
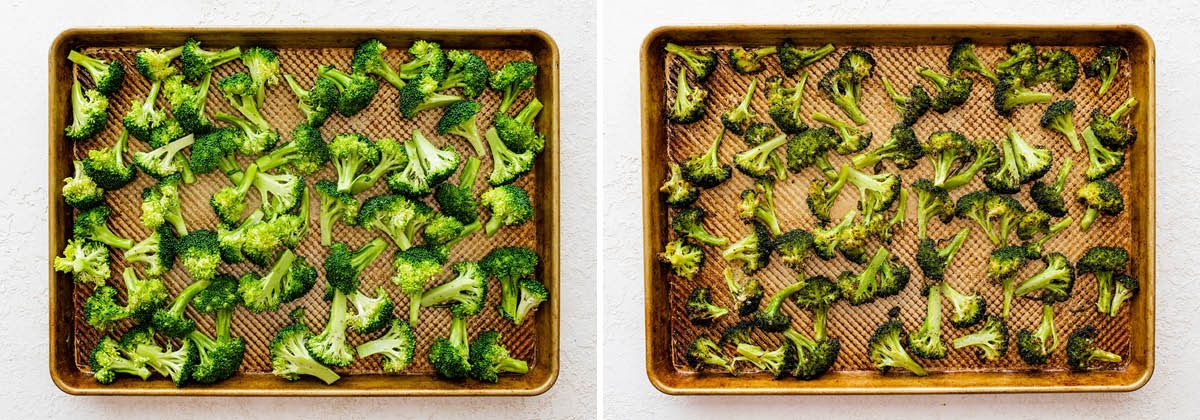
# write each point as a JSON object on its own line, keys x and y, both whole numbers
{"x": 897, "y": 98}
{"x": 309, "y": 366}
{"x": 470, "y": 131}
{"x": 682, "y": 52}
{"x": 437, "y": 100}
{"x": 511, "y": 365}
{"x": 106, "y": 236}
{"x": 367, "y": 253}
{"x": 949, "y": 251}
{"x": 493, "y": 225}
{"x": 510, "y": 94}
{"x": 1037, "y": 282}
{"x": 820, "y": 320}
{"x": 508, "y": 295}
{"x": 466, "y": 177}
{"x": 1063, "y": 172}
{"x": 279, "y": 270}
{"x": 534, "y": 106}
{"x": 1045, "y": 331}
{"x": 877, "y": 262}
{"x": 1104, "y": 291}
{"x": 973, "y": 339}
{"x": 185, "y": 296}
{"x": 782, "y": 295}
{"x": 414, "y": 308}
{"x": 1105, "y": 356}
{"x": 1125, "y": 108}
{"x": 1008, "y": 289}
{"x": 1089, "y": 216}
{"x": 93, "y": 66}
{"x": 1064, "y": 125}
{"x": 934, "y": 77}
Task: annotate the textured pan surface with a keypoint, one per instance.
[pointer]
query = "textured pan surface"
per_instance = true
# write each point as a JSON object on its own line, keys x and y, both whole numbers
{"x": 853, "y": 325}
{"x": 377, "y": 121}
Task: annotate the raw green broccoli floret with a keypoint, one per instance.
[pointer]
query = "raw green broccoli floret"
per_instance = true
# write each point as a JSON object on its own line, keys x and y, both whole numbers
{"x": 263, "y": 65}
{"x": 990, "y": 341}
{"x": 1100, "y": 197}
{"x": 933, "y": 261}
{"x": 396, "y": 216}
{"x": 460, "y": 119}
{"x": 176, "y": 364}
{"x": 952, "y": 90}
{"x": 747, "y": 61}
{"x": 229, "y": 202}
{"x": 507, "y": 165}
{"x": 166, "y": 160}
{"x": 962, "y": 58}
{"x": 465, "y": 294}
{"x": 307, "y": 151}
{"x": 81, "y": 191}
{"x": 240, "y": 90}
{"x": 330, "y": 346}
{"x": 107, "y": 166}
{"x": 343, "y": 266}
{"x": 701, "y": 64}
{"x": 172, "y": 321}
{"x": 156, "y": 65}
{"x": 512, "y": 78}
{"x": 965, "y": 310}
{"x": 89, "y": 113}
{"x": 350, "y": 153}
{"x": 509, "y": 265}
{"x": 489, "y": 358}
{"x": 290, "y": 357}
{"x": 1105, "y": 66}
{"x": 792, "y": 58}
{"x": 926, "y": 342}
{"x": 415, "y": 267}
{"x": 450, "y": 356}
{"x": 86, "y": 260}
{"x": 108, "y": 359}
{"x": 187, "y": 103}
{"x": 518, "y": 133}
{"x": 107, "y": 76}
{"x": 420, "y": 94}
{"x": 318, "y": 103}
{"x": 888, "y": 346}
{"x": 1035, "y": 348}
{"x": 753, "y": 251}
{"x": 396, "y": 347}
{"x": 101, "y": 310}
{"x": 200, "y": 253}
{"x": 290, "y": 277}
{"x": 92, "y": 225}
{"x": 231, "y": 240}
{"x": 355, "y": 90}
{"x": 689, "y": 103}
{"x": 198, "y": 62}
{"x": 458, "y": 201}
{"x": 427, "y": 58}
{"x": 371, "y": 314}
{"x": 533, "y": 293}
{"x": 368, "y": 59}
{"x": 427, "y": 167}
{"x": 157, "y": 251}
{"x": 143, "y": 117}
{"x": 160, "y": 205}
{"x": 1082, "y": 350}
{"x": 335, "y": 206}
{"x": 468, "y": 72}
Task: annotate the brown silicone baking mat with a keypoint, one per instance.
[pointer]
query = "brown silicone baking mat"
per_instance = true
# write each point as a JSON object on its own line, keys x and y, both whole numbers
{"x": 853, "y": 325}
{"x": 377, "y": 121}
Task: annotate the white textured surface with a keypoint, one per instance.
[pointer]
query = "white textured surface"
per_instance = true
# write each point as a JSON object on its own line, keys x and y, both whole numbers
{"x": 30, "y": 26}
{"x": 1171, "y": 392}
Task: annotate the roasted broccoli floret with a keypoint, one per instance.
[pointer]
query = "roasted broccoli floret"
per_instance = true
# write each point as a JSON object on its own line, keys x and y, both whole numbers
{"x": 678, "y": 192}
{"x": 811, "y": 148}
{"x": 735, "y": 119}
{"x": 962, "y": 58}
{"x": 746, "y": 294}
{"x": 460, "y": 119}
{"x": 512, "y": 78}
{"x": 852, "y": 140}
{"x": 882, "y": 227}
{"x": 1022, "y": 164}
{"x": 160, "y": 205}
{"x": 965, "y": 310}
{"x": 143, "y": 116}
{"x": 1082, "y": 350}
{"x": 818, "y": 295}
{"x": 875, "y": 192}
{"x": 1059, "y": 66}
{"x": 1100, "y": 197}
{"x": 927, "y": 341}
{"x": 864, "y": 286}
{"x": 996, "y": 214}
{"x": 854, "y": 241}
{"x": 910, "y": 107}
{"x": 888, "y": 346}
{"x": 902, "y": 148}
{"x": 700, "y": 309}
{"x": 415, "y": 267}
{"x": 107, "y": 76}
{"x": 1033, "y": 249}
{"x": 990, "y": 341}
{"x": 933, "y": 261}
{"x": 784, "y": 104}
{"x": 948, "y": 151}
{"x": 779, "y": 362}
{"x": 826, "y": 241}
{"x": 86, "y": 260}
{"x": 952, "y": 90}
{"x": 1102, "y": 161}
{"x": 108, "y": 359}
{"x": 157, "y": 251}
{"x": 690, "y": 222}
{"x": 1022, "y": 61}
{"x": 701, "y": 64}
{"x": 1060, "y": 117}
{"x": 1108, "y": 129}
{"x": 1105, "y": 66}
{"x": 792, "y": 58}
{"x": 1035, "y": 348}
{"x": 748, "y": 61}
{"x": 1049, "y": 197}
{"x": 164, "y": 161}
{"x": 396, "y": 347}
{"x": 758, "y": 203}
{"x": 450, "y": 356}
{"x": 1011, "y": 92}
{"x": 771, "y": 318}
{"x": 842, "y": 86}
{"x": 356, "y": 90}
{"x": 92, "y": 225}
{"x": 1106, "y": 262}
{"x": 932, "y": 201}
{"x": 753, "y": 251}
{"x": 704, "y": 351}
{"x": 1125, "y": 287}
{"x": 81, "y": 191}
{"x": 689, "y": 103}
{"x": 156, "y": 65}
{"x": 684, "y": 258}
{"x": 1055, "y": 281}
{"x": 755, "y": 162}
{"x": 813, "y": 357}
{"x": 739, "y": 333}
{"x": 795, "y": 247}
{"x": 198, "y": 62}
{"x": 290, "y": 357}
{"x": 318, "y": 103}
{"x": 427, "y": 167}
{"x": 1033, "y": 223}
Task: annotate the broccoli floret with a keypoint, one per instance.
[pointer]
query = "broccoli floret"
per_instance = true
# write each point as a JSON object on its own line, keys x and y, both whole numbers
{"x": 252, "y": 139}
{"x": 1033, "y": 249}
{"x": 107, "y": 76}
{"x": 1049, "y": 197}
{"x": 514, "y": 77}
{"x": 230, "y": 201}
{"x": 391, "y": 156}
{"x": 842, "y": 86}
{"x": 427, "y": 58}
{"x": 996, "y": 214}
{"x": 171, "y": 320}
{"x": 759, "y": 203}
{"x": 460, "y": 119}
{"x": 1022, "y": 164}
{"x": 952, "y": 90}
{"x": 420, "y": 94}
{"x": 398, "y": 217}
{"x": 746, "y": 294}
{"x": 465, "y": 294}
{"x": 92, "y": 225}
{"x": 510, "y": 206}
{"x": 965, "y": 310}
{"x": 450, "y": 356}
{"x": 356, "y": 90}
{"x": 811, "y": 148}
{"x": 176, "y": 364}
{"x": 197, "y": 62}
{"x": 343, "y": 266}
{"x": 167, "y": 131}
{"x": 1061, "y": 67}
{"x": 507, "y": 165}
{"x": 902, "y": 148}
{"x": 853, "y": 140}
{"x": 156, "y": 65}
{"x": 860, "y": 62}
{"x": 1102, "y": 161}
{"x": 932, "y": 201}
{"x": 263, "y": 65}
{"x": 108, "y": 359}
{"x": 864, "y": 287}
{"x": 142, "y": 116}
{"x": 307, "y": 151}
{"x": 779, "y": 362}
{"x": 818, "y": 295}
{"x": 990, "y": 341}
{"x": 678, "y": 192}
{"x": 784, "y": 104}
{"x": 187, "y": 103}
{"x": 887, "y": 349}
{"x": 706, "y": 171}
{"x": 263, "y": 239}
{"x": 735, "y": 119}
{"x": 825, "y": 241}
{"x": 290, "y": 357}
{"x": 792, "y": 58}
{"x": 813, "y": 357}
{"x": 893, "y": 277}
{"x": 700, "y": 309}
{"x": 370, "y": 314}
{"x": 107, "y": 167}
{"x": 1011, "y": 93}
{"x": 427, "y": 167}
{"x": 689, "y": 104}
{"x": 157, "y": 251}
{"x": 444, "y": 231}
{"x": 330, "y": 347}
{"x": 397, "y": 347}
{"x": 351, "y": 152}
{"x": 795, "y": 247}
{"x": 759, "y": 132}
{"x": 160, "y": 205}
{"x": 240, "y": 90}
{"x": 231, "y": 242}
{"x": 1100, "y": 197}
{"x": 881, "y": 226}
{"x": 489, "y": 358}
{"x": 690, "y": 222}
{"x": 753, "y": 251}
{"x": 910, "y": 107}
{"x": 1082, "y": 350}
{"x": 748, "y": 61}
{"x": 701, "y": 64}
{"x": 704, "y": 351}
{"x": 265, "y": 293}
{"x": 509, "y": 265}
{"x": 164, "y": 161}
{"x": 1055, "y": 281}
{"x": 946, "y": 149}
{"x": 1125, "y": 287}
{"x": 221, "y": 295}
{"x": 467, "y": 71}
{"x": 1033, "y": 223}
{"x": 1022, "y": 61}
{"x": 1035, "y": 348}
{"x": 927, "y": 341}
{"x": 317, "y": 103}
{"x": 933, "y": 261}
{"x": 81, "y": 191}
{"x": 415, "y": 267}
{"x": 86, "y": 260}
{"x": 368, "y": 59}
{"x": 739, "y": 333}
{"x": 962, "y": 58}
{"x": 101, "y": 310}
{"x": 89, "y": 112}
{"x": 1105, "y": 66}
{"x": 1105, "y": 262}
{"x": 854, "y": 241}
{"x": 335, "y": 205}
{"x": 684, "y": 258}
{"x": 876, "y": 192}
{"x": 771, "y": 318}
{"x": 1108, "y": 129}
{"x": 200, "y": 252}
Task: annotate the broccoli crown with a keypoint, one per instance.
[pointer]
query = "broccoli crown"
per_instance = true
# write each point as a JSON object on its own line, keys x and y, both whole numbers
{"x": 107, "y": 167}
{"x": 1055, "y": 281}
{"x": 794, "y": 247}
{"x": 758, "y": 203}
{"x": 678, "y": 192}
{"x": 86, "y": 260}
{"x": 910, "y": 107}
{"x": 701, "y": 64}
{"x": 1082, "y": 350}
{"x": 142, "y": 116}
{"x": 1108, "y": 128}
{"x": 700, "y": 308}
{"x": 518, "y": 133}
{"x": 279, "y": 193}
{"x": 811, "y": 148}
{"x": 398, "y": 217}
{"x": 187, "y": 103}
{"x": 101, "y": 310}
{"x": 156, "y": 65}
{"x": 689, "y": 105}
{"x": 351, "y": 152}
{"x": 89, "y": 113}
{"x": 176, "y": 364}
{"x": 1033, "y": 223}
{"x": 93, "y": 225}
{"x": 887, "y": 349}
{"x": 1035, "y": 348}
{"x": 157, "y": 251}
{"x": 990, "y": 341}
{"x": 770, "y": 318}
{"x": 370, "y": 314}
{"x": 813, "y": 357}
{"x": 704, "y": 351}
{"x": 962, "y": 58}
{"x": 932, "y": 201}
{"x": 507, "y": 165}
{"x": 1060, "y": 117}
{"x": 397, "y": 347}
{"x": 784, "y": 106}
{"x": 307, "y": 151}
{"x": 1100, "y": 197}
{"x": 198, "y": 62}
{"x": 107, "y": 76}
{"x": 427, "y": 167}
{"x": 263, "y": 65}
{"x": 852, "y": 139}
{"x": 81, "y": 192}
{"x": 166, "y": 131}
{"x": 1022, "y": 164}
{"x": 1059, "y": 66}
{"x": 1105, "y": 65}
{"x": 690, "y": 222}
{"x": 427, "y": 58}
{"x": 290, "y": 357}
{"x": 753, "y": 251}
{"x": 1005, "y": 261}
{"x": 778, "y": 362}
{"x": 221, "y": 294}
{"x": 512, "y": 78}
{"x": 792, "y": 59}
{"x": 860, "y": 62}
{"x": 684, "y": 258}
{"x": 864, "y": 286}
{"x": 737, "y": 334}
{"x": 420, "y": 94}
{"x": 995, "y": 214}
{"x": 368, "y": 59}
{"x": 1098, "y": 259}
{"x": 356, "y": 90}
{"x": 842, "y": 86}
{"x": 467, "y": 71}
{"x": 946, "y": 150}
{"x": 459, "y": 201}
{"x": 736, "y": 119}
{"x": 220, "y": 358}
{"x": 1102, "y": 161}
{"x": 854, "y": 240}
{"x": 748, "y": 61}
{"x": 342, "y": 266}
{"x": 265, "y": 293}
{"x": 229, "y": 202}
{"x": 510, "y": 263}
{"x": 465, "y": 294}
{"x": 107, "y": 360}
{"x": 1047, "y": 197}
{"x": 415, "y": 267}
{"x": 1125, "y": 287}
{"x": 160, "y": 205}
{"x": 952, "y": 90}
{"x": 330, "y": 347}
{"x": 172, "y": 320}
{"x": 933, "y": 261}
{"x": 902, "y": 148}
{"x": 1011, "y": 92}
{"x": 965, "y": 310}
{"x": 450, "y": 356}
{"x": 459, "y": 118}
{"x": 818, "y": 295}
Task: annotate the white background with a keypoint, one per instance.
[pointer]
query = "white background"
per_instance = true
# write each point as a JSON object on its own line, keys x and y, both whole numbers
{"x": 28, "y": 27}
{"x": 1171, "y": 393}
